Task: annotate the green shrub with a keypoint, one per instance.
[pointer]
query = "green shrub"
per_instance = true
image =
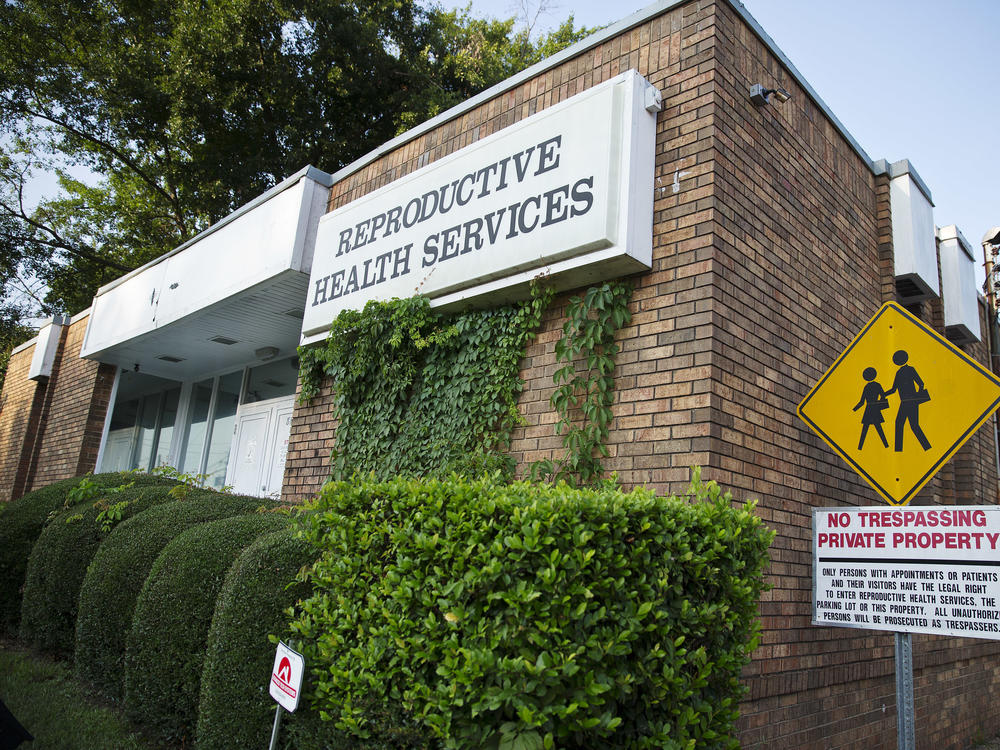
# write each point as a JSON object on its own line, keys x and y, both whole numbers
{"x": 117, "y": 572}
{"x": 59, "y": 561}
{"x": 22, "y": 520}
{"x": 533, "y": 616}
{"x": 166, "y": 645}
{"x": 235, "y": 709}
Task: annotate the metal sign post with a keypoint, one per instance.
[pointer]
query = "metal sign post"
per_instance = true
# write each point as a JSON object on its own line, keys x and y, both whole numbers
{"x": 274, "y": 730}
{"x": 905, "y": 715}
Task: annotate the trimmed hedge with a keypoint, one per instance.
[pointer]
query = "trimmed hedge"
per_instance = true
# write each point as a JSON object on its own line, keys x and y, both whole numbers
{"x": 235, "y": 709}
{"x": 118, "y": 571}
{"x": 527, "y": 616}
{"x": 166, "y": 645}
{"x": 59, "y": 561}
{"x": 21, "y": 522}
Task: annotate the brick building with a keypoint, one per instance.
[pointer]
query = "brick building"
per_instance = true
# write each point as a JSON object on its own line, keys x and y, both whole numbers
{"x": 775, "y": 237}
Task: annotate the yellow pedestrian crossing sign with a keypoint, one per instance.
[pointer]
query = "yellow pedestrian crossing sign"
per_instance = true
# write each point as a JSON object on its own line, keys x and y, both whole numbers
{"x": 899, "y": 402}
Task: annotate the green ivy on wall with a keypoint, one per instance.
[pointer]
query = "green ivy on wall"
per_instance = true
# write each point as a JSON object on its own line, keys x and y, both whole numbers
{"x": 419, "y": 393}
{"x": 423, "y": 394}
{"x": 585, "y": 384}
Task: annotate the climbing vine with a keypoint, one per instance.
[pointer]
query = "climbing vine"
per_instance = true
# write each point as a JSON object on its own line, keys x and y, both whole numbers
{"x": 584, "y": 390}
{"x": 420, "y": 393}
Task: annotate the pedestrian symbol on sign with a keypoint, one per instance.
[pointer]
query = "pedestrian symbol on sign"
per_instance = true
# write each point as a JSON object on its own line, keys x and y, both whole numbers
{"x": 926, "y": 431}
{"x": 911, "y": 391}
{"x": 874, "y": 400}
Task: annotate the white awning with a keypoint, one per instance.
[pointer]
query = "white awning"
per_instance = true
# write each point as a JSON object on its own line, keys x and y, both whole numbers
{"x": 237, "y": 288}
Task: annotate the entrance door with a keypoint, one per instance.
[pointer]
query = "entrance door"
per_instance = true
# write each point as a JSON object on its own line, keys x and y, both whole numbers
{"x": 257, "y": 459}
{"x": 279, "y": 447}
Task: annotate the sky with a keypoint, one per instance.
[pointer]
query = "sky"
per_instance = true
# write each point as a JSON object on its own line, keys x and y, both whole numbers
{"x": 909, "y": 79}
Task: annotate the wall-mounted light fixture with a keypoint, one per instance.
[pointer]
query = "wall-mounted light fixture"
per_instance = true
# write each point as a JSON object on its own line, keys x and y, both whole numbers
{"x": 759, "y": 95}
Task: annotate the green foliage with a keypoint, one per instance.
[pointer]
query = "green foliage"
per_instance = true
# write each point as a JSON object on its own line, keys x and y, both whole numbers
{"x": 165, "y": 651}
{"x": 585, "y": 384}
{"x": 188, "y": 481}
{"x": 21, "y": 522}
{"x": 85, "y": 489}
{"x": 88, "y": 489}
{"x": 109, "y": 515}
{"x": 419, "y": 393}
{"x": 58, "y": 564}
{"x": 235, "y": 708}
{"x": 503, "y": 616}
{"x": 116, "y": 574}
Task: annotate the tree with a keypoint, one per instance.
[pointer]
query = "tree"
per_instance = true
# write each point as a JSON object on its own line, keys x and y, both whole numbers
{"x": 464, "y": 55}
{"x": 187, "y": 109}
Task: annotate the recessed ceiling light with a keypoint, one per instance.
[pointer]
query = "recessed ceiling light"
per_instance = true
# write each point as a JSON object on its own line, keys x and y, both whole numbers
{"x": 171, "y": 359}
{"x": 224, "y": 340}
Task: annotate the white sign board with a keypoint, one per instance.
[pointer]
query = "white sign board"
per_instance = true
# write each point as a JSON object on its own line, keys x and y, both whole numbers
{"x": 933, "y": 569}
{"x": 286, "y": 677}
{"x": 565, "y": 190}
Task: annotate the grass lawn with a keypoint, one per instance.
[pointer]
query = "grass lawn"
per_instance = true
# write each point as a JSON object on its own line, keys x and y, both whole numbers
{"x": 56, "y": 709}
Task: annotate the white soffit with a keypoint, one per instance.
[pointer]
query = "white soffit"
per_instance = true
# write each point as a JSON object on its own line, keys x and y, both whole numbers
{"x": 225, "y": 283}
{"x": 221, "y": 337}
{"x": 566, "y": 193}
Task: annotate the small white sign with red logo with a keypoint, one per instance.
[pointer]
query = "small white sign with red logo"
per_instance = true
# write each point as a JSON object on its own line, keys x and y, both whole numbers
{"x": 286, "y": 677}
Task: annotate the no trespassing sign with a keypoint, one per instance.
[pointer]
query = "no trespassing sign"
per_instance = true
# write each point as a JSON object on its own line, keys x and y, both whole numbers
{"x": 909, "y": 570}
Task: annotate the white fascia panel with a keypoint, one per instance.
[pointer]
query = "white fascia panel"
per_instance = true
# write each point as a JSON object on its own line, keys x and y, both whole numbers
{"x": 124, "y": 311}
{"x": 959, "y": 293}
{"x": 46, "y": 346}
{"x": 913, "y": 238}
{"x": 255, "y": 247}
{"x": 268, "y": 237}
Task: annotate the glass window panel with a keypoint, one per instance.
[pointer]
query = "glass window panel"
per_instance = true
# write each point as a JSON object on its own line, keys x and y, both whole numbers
{"x": 194, "y": 441}
{"x": 131, "y": 441}
{"x": 222, "y": 428}
{"x": 118, "y": 447}
{"x": 146, "y": 434}
{"x": 168, "y": 416}
{"x": 272, "y": 380}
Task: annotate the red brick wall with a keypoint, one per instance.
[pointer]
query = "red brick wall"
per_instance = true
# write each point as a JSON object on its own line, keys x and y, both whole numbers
{"x": 52, "y": 430}
{"x": 772, "y": 255}
{"x": 20, "y": 403}
{"x": 76, "y": 403}
{"x": 307, "y": 463}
